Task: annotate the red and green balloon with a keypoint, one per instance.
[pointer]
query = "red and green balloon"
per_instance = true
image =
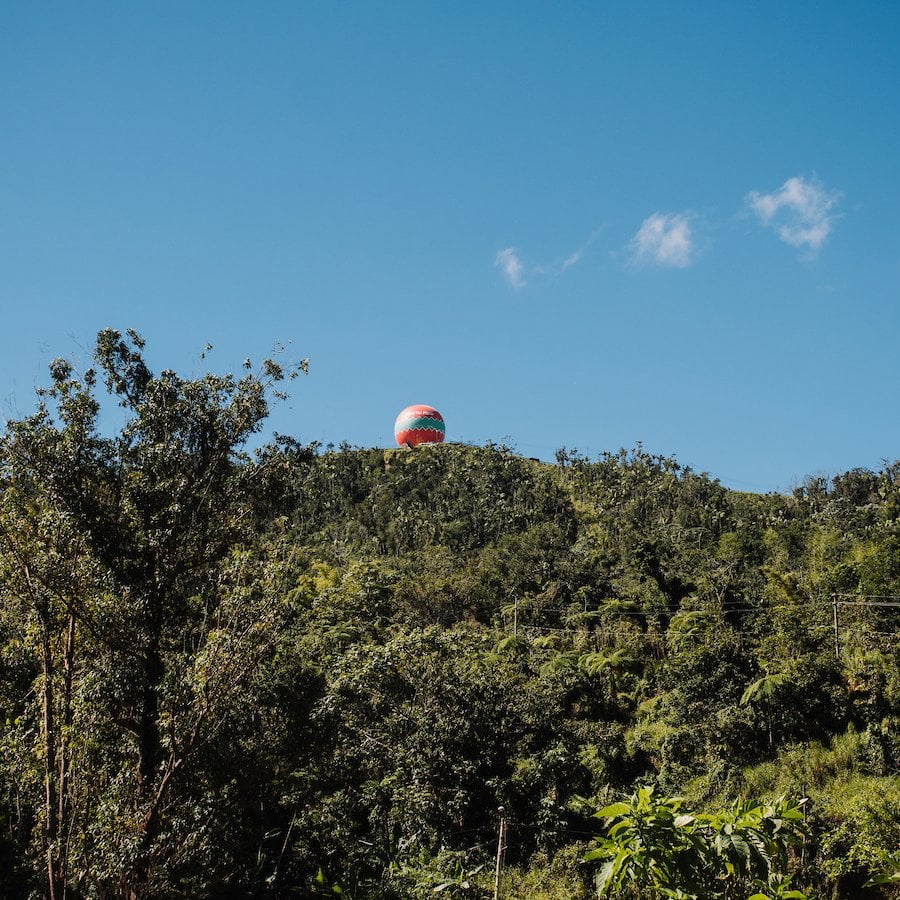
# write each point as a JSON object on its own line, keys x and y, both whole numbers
{"x": 419, "y": 424}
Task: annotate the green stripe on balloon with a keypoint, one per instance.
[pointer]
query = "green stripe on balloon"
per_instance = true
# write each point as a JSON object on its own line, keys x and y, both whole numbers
{"x": 410, "y": 424}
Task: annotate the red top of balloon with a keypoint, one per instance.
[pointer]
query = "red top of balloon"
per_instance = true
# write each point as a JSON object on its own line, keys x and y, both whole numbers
{"x": 419, "y": 424}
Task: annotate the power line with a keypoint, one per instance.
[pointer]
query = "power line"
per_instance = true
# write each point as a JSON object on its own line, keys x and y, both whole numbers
{"x": 863, "y": 603}
{"x": 727, "y": 607}
{"x": 596, "y": 632}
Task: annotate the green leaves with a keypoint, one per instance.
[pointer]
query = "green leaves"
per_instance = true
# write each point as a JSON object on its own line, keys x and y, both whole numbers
{"x": 352, "y": 656}
{"x": 762, "y": 689}
{"x": 652, "y": 846}
{"x": 146, "y": 615}
{"x": 614, "y": 809}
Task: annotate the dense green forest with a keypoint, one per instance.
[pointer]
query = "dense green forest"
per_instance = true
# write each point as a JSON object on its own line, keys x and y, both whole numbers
{"x": 309, "y": 671}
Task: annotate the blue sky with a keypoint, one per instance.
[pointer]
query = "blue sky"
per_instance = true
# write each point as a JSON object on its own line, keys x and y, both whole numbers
{"x": 585, "y": 226}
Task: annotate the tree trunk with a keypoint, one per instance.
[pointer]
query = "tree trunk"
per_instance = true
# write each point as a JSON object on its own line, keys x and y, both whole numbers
{"x": 149, "y": 741}
{"x": 148, "y": 768}
{"x": 48, "y": 728}
{"x": 64, "y": 760}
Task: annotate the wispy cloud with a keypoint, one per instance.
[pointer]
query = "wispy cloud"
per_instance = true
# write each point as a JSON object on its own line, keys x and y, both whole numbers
{"x": 517, "y": 273}
{"x": 800, "y": 211}
{"x": 576, "y": 257}
{"x": 664, "y": 239}
{"x": 511, "y": 266}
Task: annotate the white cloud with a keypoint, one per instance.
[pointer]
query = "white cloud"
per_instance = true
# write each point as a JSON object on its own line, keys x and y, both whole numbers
{"x": 578, "y": 255}
{"x": 572, "y": 259}
{"x": 800, "y": 211}
{"x": 517, "y": 274}
{"x": 510, "y": 264}
{"x": 664, "y": 240}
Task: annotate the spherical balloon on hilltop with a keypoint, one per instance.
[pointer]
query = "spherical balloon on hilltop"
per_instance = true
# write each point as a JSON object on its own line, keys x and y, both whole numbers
{"x": 419, "y": 424}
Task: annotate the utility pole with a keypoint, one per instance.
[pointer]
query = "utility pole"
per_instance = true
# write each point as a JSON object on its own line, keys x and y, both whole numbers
{"x": 501, "y": 851}
{"x": 805, "y": 832}
{"x": 837, "y": 634}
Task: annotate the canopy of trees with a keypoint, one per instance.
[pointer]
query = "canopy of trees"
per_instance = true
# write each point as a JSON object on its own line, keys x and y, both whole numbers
{"x": 308, "y": 671}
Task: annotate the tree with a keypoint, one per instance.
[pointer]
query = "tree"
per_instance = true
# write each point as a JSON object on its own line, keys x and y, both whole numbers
{"x": 121, "y": 557}
{"x": 654, "y": 849}
{"x": 762, "y": 693}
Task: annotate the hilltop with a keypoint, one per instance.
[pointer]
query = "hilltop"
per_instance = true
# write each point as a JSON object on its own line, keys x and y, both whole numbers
{"x": 314, "y": 670}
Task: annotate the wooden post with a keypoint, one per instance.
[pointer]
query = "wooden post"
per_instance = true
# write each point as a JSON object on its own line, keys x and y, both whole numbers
{"x": 501, "y": 852}
{"x": 516, "y": 615}
{"x": 805, "y": 832}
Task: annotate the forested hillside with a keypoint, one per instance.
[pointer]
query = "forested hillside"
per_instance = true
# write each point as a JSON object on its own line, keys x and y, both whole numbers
{"x": 318, "y": 671}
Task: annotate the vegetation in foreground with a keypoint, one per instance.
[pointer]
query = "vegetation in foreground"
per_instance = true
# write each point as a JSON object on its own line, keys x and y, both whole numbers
{"x": 311, "y": 671}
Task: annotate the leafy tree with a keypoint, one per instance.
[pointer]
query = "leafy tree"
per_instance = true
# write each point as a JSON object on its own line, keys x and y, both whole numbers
{"x": 653, "y": 849}
{"x": 120, "y": 561}
{"x": 761, "y": 693}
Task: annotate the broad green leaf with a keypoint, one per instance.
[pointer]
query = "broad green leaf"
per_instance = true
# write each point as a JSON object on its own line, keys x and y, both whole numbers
{"x": 614, "y": 809}
{"x": 605, "y": 876}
